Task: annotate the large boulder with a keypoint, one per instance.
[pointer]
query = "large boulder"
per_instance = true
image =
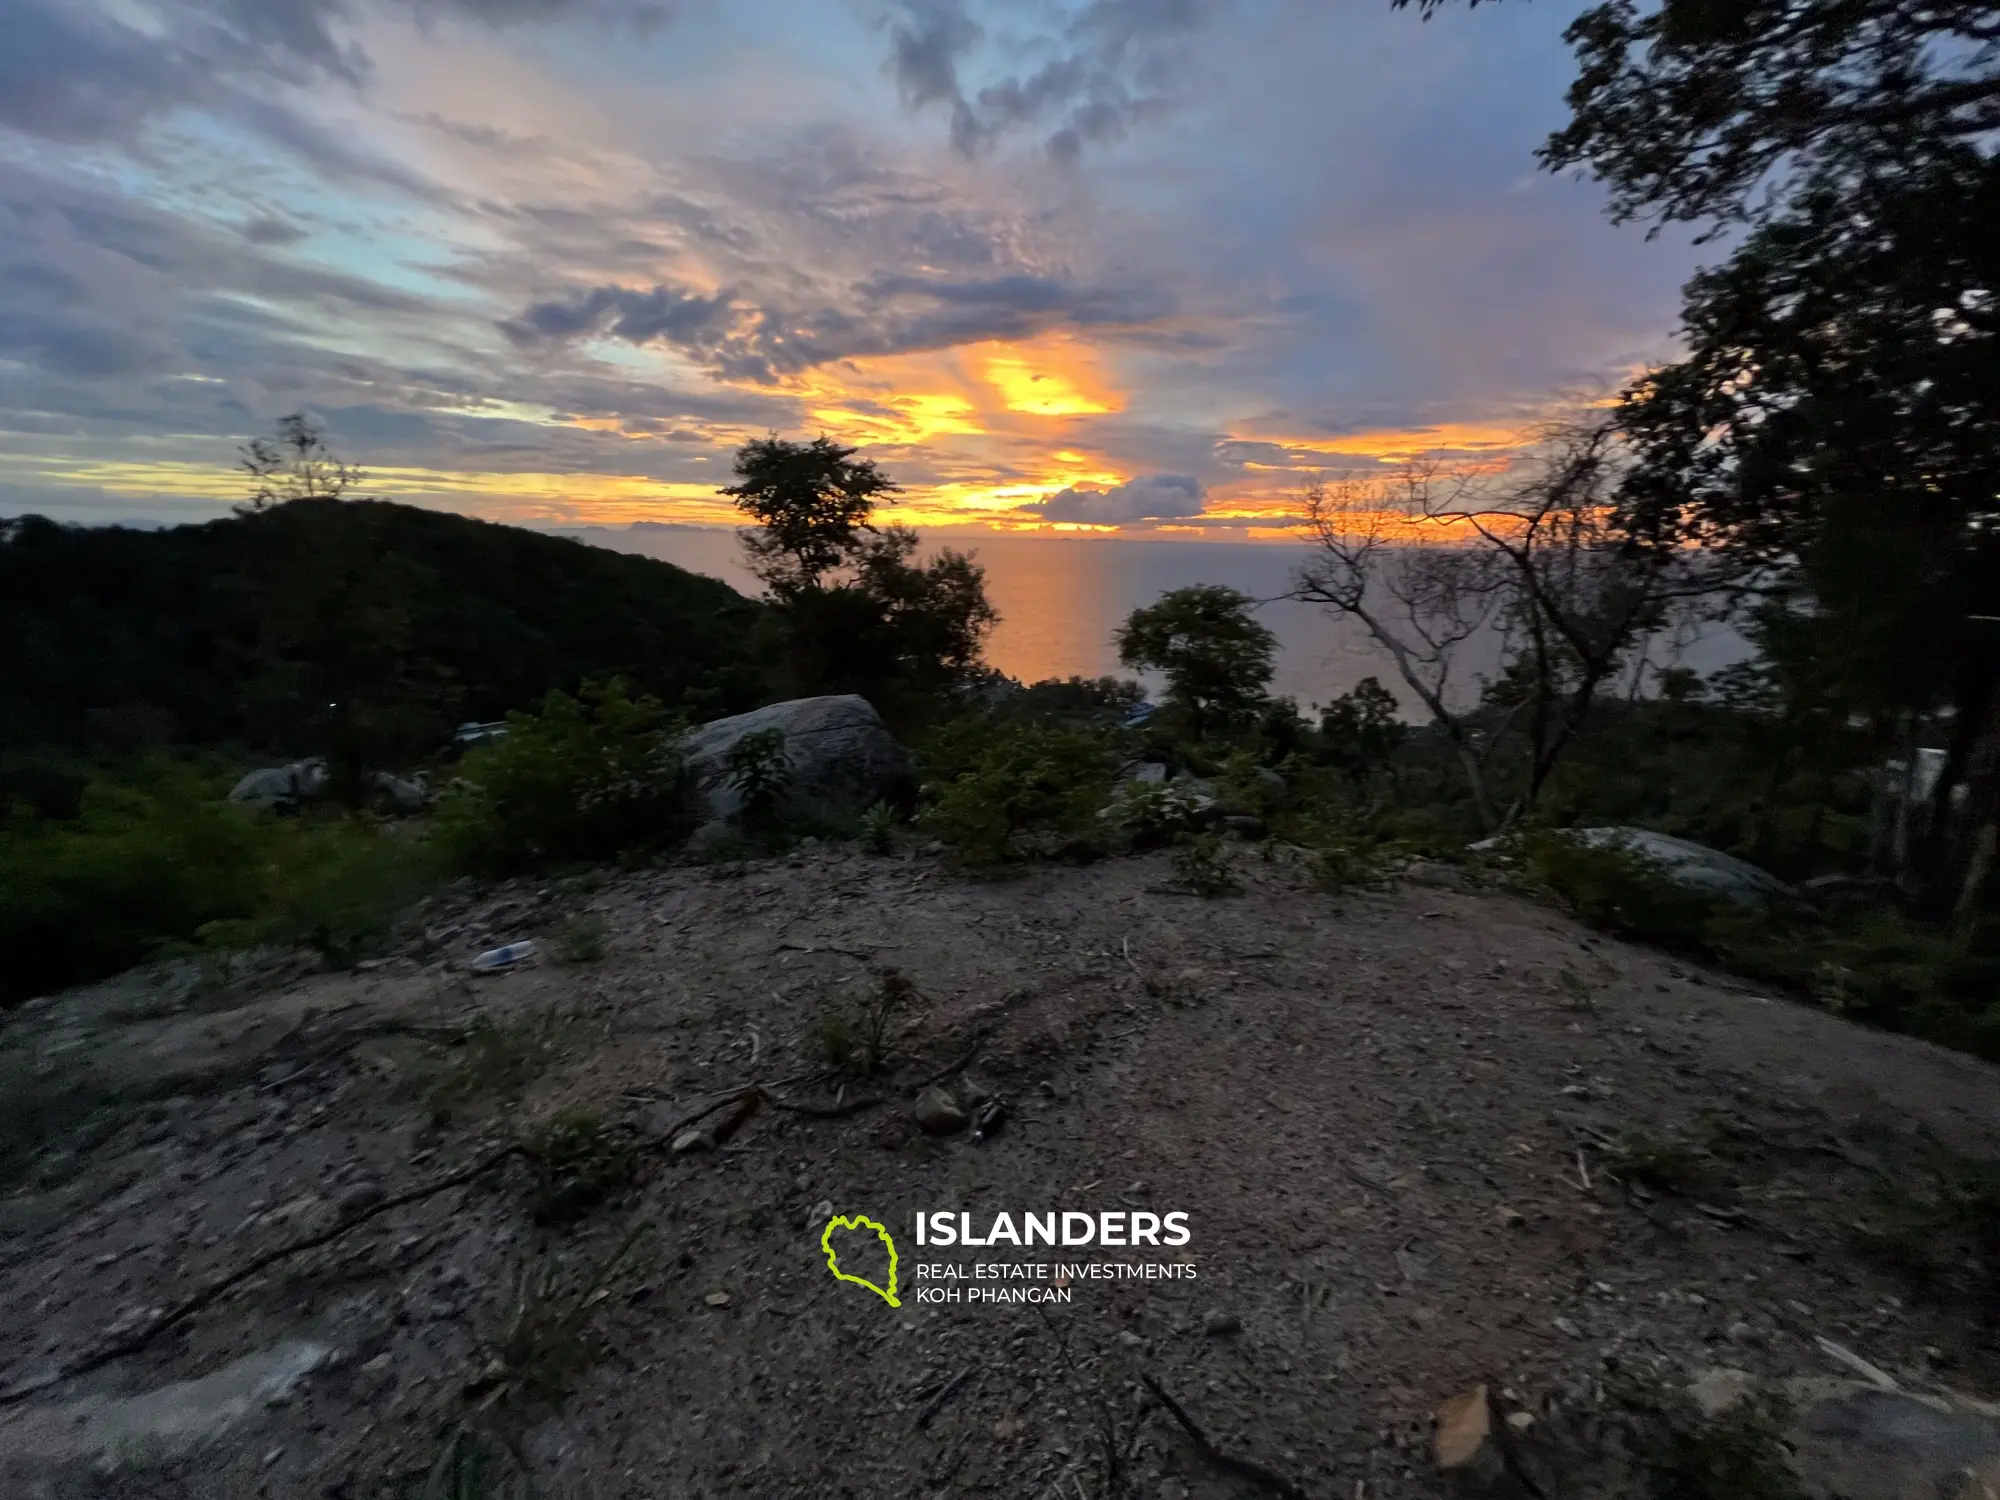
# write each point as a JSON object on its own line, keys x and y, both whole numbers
{"x": 281, "y": 786}
{"x": 1693, "y": 865}
{"x": 843, "y": 759}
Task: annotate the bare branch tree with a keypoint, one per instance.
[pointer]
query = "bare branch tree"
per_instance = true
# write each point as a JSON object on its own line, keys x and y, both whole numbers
{"x": 1385, "y": 563}
{"x": 1433, "y": 558}
{"x": 298, "y": 466}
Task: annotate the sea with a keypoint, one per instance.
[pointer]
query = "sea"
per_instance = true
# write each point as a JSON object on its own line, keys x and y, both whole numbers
{"x": 1062, "y": 598}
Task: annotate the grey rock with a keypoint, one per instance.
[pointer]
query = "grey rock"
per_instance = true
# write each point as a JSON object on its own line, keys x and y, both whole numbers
{"x": 843, "y": 760}
{"x": 404, "y": 793}
{"x": 938, "y": 1113}
{"x": 1693, "y": 865}
{"x": 101, "y": 1435}
{"x": 1245, "y": 826}
{"x": 1716, "y": 1391}
{"x": 1862, "y": 1441}
{"x": 281, "y": 786}
{"x": 1147, "y": 773}
{"x": 1221, "y": 1325}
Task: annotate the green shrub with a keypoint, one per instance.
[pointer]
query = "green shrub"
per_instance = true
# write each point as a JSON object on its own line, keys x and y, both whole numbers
{"x": 1151, "y": 815}
{"x": 1010, "y": 791}
{"x": 759, "y": 771}
{"x": 1201, "y": 866}
{"x": 878, "y": 829}
{"x": 85, "y": 897}
{"x": 578, "y": 1164}
{"x": 593, "y": 777}
{"x": 1620, "y": 890}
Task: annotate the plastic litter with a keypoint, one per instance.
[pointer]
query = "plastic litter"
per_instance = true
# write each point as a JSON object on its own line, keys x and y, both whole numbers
{"x": 499, "y": 960}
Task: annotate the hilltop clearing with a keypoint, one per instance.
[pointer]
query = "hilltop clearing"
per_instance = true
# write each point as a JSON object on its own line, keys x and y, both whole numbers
{"x": 1425, "y": 1138}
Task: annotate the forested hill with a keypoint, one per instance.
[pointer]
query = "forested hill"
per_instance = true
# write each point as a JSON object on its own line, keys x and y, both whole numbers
{"x": 360, "y": 620}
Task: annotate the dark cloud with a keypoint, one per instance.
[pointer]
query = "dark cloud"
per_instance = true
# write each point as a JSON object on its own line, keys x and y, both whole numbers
{"x": 1156, "y": 497}
{"x": 764, "y": 339}
{"x": 79, "y": 70}
{"x": 665, "y": 313}
{"x": 270, "y": 229}
{"x": 1117, "y": 63}
{"x": 926, "y": 40}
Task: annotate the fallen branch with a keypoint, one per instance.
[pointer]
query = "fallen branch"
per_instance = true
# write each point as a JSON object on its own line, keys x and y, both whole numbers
{"x": 181, "y": 1311}
{"x": 1215, "y": 1458}
{"x": 824, "y": 1111}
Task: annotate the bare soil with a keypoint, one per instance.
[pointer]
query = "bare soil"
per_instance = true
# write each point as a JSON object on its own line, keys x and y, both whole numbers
{"x": 1414, "y": 1156}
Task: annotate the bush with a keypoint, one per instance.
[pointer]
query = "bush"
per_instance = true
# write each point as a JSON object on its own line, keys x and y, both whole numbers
{"x": 141, "y": 863}
{"x": 162, "y": 860}
{"x": 1621, "y": 891}
{"x": 599, "y": 776}
{"x": 998, "y": 791}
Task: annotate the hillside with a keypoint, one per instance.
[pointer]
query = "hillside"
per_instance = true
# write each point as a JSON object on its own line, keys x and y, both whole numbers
{"x": 280, "y": 630}
{"x": 1425, "y": 1138}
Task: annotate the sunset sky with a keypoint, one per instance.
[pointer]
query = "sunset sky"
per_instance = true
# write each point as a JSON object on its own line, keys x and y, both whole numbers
{"x": 1134, "y": 264}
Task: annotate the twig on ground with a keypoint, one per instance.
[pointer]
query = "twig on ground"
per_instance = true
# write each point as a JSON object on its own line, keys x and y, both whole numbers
{"x": 964, "y": 1061}
{"x": 1215, "y": 1458}
{"x": 852, "y": 953}
{"x": 936, "y": 1404}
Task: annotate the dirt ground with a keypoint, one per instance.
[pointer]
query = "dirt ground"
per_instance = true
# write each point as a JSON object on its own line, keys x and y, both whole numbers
{"x": 1424, "y": 1137}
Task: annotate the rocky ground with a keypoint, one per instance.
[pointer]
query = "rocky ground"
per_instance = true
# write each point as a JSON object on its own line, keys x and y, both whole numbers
{"x": 275, "y": 1233}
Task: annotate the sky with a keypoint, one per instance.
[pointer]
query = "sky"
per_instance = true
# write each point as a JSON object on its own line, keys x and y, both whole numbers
{"x": 1103, "y": 267}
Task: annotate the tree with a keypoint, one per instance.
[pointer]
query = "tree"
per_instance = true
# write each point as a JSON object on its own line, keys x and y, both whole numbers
{"x": 811, "y": 502}
{"x": 1531, "y": 556}
{"x": 1838, "y": 412}
{"x": 855, "y": 611}
{"x": 298, "y": 466}
{"x": 1217, "y": 658}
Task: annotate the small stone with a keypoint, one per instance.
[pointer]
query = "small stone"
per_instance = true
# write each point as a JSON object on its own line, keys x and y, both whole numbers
{"x": 694, "y": 1138}
{"x": 1129, "y": 1339}
{"x": 937, "y": 1113}
{"x": 1716, "y": 1391}
{"x": 818, "y": 1215}
{"x": 1509, "y": 1218}
{"x": 1223, "y": 1324}
{"x": 1740, "y": 1332}
{"x": 1521, "y": 1421}
{"x": 717, "y": 1299}
{"x": 1568, "y": 1326}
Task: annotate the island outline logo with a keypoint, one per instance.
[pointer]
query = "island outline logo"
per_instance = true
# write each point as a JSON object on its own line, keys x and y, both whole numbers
{"x": 859, "y": 1221}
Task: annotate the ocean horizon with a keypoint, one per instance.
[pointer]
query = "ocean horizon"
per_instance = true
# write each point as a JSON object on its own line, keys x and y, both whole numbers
{"x": 1062, "y": 598}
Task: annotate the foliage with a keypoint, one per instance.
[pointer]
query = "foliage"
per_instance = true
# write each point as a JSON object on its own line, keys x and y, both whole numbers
{"x": 1151, "y": 815}
{"x": 360, "y": 630}
{"x": 1203, "y": 868}
{"x": 1361, "y": 729}
{"x": 1621, "y": 890}
{"x": 995, "y": 790}
{"x": 878, "y": 829}
{"x": 1836, "y": 417}
{"x": 759, "y": 770}
{"x": 599, "y": 776}
{"x": 854, "y": 611}
{"x": 811, "y": 503}
{"x": 1216, "y": 658}
{"x": 525, "y": 1376}
{"x": 156, "y": 858}
{"x": 578, "y": 1164}
{"x": 857, "y": 1036}
{"x": 492, "y": 1061}
{"x": 298, "y": 466}
{"x": 1104, "y": 701}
